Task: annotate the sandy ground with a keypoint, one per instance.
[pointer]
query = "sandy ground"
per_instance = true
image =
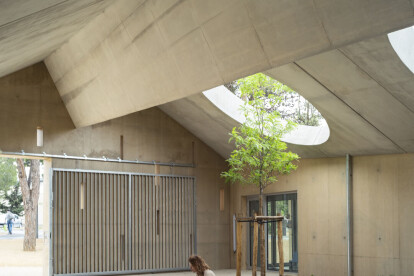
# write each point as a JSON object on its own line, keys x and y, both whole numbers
{"x": 16, "y": 262}
{"x": 21, "y": 271}
{"x": 12, "y": 254}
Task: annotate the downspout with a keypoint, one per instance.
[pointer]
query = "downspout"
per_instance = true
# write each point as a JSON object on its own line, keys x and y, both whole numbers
{"x": 349, "y": 211}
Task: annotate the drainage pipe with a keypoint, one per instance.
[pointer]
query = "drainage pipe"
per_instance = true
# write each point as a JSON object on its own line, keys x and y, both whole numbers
{"x": 103, "y": 159}
{"x": 349, "y": 211}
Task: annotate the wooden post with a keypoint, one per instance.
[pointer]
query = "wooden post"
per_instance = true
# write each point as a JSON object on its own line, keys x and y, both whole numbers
{"x": 255, "y": 242}
{"x": 238, "y": 241}
{"x": 255, "y": 220}
{"x": 262, "y": 250}
{"x": 280, "y": 246}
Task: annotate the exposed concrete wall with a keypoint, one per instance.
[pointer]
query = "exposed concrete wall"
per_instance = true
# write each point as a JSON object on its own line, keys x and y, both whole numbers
{"x": 384, "y": 205}
{"x": 28, "y": 98}
{"x": 383, "y": 188}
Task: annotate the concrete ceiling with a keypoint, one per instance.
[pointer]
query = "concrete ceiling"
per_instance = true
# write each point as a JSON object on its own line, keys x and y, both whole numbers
{"x": 110, "y": 58}
{"x": 365, "y": 93}
{"x": 205, "y": 120}
{"x": 137, "y": 54}
{"x": 363, "y": 90}
{"x": 30, "y": 30}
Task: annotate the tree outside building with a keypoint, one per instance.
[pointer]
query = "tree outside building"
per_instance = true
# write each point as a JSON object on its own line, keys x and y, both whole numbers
{"x": 30, "y": 187}
{"x": 10, "y": 195}
{"x": 12, "y": 201}
{"x": 8, "y": 175}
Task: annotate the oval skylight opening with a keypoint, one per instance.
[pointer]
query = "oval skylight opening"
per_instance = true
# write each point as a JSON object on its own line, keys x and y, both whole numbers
{"x": 403, "y": 43}
{"x": 229, "y": 103}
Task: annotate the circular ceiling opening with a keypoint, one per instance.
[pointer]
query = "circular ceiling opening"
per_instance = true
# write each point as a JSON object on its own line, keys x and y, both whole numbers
{"x": 403, "y": 43}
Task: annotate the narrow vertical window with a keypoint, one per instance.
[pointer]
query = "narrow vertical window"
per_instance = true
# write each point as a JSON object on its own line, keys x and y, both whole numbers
{"x": 158, "y": 222}
{"x": 82, "y": 196}
{"x": 157, "y": 171}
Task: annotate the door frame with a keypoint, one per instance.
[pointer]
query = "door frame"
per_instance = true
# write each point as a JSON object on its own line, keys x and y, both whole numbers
{"x": 248, "y": 235}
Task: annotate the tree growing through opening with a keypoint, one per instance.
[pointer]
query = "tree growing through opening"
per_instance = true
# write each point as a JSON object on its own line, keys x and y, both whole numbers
{"x": 292, "y": 106}
{"x": 259, "y": 155}
{"x": 30, "y": 187}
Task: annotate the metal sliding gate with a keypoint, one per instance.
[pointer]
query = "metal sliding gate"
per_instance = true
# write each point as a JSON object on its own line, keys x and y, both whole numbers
{"x": 108, "y": 222}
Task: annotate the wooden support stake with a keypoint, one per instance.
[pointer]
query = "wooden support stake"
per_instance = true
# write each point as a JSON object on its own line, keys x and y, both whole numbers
{"x": 255, "y": 220}
{"x": 238, "y": 241}
{"x": 262, "y": 250}
{"x": 255, "y": 242}
{"x": 280, "y": 246}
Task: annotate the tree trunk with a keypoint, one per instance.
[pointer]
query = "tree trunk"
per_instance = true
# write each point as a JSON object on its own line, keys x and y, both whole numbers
{"x": 262, "y": 237}
{"x": 30, "y": 191}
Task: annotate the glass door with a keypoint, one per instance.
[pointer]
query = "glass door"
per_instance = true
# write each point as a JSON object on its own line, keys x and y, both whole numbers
{"x": 286, "y": 205}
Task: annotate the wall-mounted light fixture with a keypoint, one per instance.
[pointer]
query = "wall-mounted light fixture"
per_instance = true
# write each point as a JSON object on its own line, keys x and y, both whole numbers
{"x": 221, "y": 199}
{"x": 39, "y": 136}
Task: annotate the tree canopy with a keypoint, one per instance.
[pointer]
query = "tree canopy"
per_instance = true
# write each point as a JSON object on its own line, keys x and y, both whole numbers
{"x": 10, "y": 195}
{"x": 8, "y": 174}
{"x": 292, "y": 106}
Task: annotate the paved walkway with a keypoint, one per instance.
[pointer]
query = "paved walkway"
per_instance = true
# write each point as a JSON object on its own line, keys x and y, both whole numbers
{"x": 18, "y": 233}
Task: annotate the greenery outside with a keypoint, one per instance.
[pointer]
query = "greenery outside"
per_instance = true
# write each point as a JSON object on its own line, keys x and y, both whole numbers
{"x": 10, "y": 194}
{"x": 292, "y": 106}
